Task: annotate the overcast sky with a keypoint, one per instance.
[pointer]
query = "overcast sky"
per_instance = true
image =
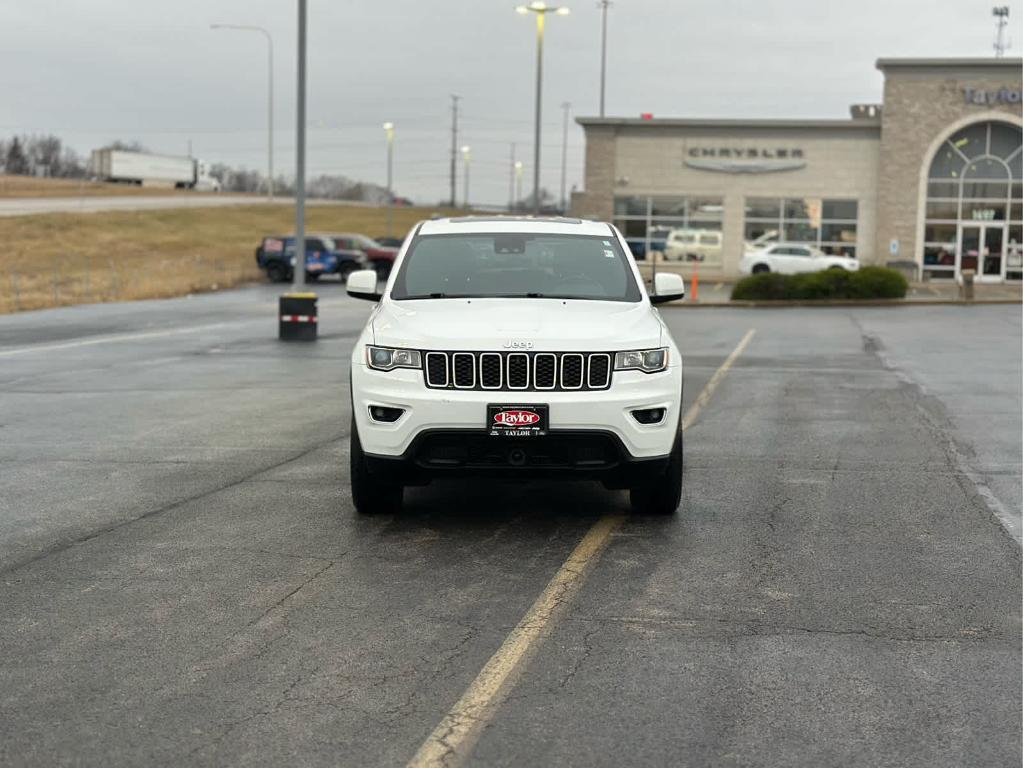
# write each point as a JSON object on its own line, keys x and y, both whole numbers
{"x": 94, "y": 70}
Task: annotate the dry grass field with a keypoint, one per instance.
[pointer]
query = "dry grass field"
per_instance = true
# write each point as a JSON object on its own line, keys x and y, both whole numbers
{"x": 30, "y": 186}
{"x": 60, "y": 259}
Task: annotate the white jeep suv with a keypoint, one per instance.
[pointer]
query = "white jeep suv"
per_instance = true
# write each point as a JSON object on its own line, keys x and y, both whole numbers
{"x": 512, "y": 347}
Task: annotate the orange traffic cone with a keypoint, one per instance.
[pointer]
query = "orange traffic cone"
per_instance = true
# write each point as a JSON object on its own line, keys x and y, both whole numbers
{"x": 696, "y": 284}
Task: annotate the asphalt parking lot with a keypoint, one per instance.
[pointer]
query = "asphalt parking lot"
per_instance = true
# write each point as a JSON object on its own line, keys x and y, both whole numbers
{"x": 183, "y": 579}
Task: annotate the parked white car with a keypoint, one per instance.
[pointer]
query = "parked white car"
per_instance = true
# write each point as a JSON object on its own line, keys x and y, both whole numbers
{"x": 790, "y": 259}
{"x": 516, "y": 348}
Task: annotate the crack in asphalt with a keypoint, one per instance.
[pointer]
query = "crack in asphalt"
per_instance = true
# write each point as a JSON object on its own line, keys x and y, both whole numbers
{"x": 69, "y": 543}
{"x": 766, "y": 629}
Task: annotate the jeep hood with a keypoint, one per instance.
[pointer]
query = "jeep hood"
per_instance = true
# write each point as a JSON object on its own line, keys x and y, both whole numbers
{"x": 491, "y": 324}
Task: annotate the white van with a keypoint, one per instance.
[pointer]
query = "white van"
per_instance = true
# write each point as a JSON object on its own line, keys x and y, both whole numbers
{"x": 693, "y": 245}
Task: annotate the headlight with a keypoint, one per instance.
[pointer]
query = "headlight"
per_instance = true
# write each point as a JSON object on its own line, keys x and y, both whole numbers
{"x": 646, "y": 360}
{"x": 387, "y": 359}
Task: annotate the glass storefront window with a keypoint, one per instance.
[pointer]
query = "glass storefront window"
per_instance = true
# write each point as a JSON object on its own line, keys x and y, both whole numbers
{"x": 985, "y": 190}
{"x": 984, "y": 211}
{"x": 940, "y": 232}
{"x": 842, "y": 233}
{"x": 974, "y": 180}
{"x": 839, "y": 209}
{"x": 681, "y": 228}
{"x": 827, "y": 224}
{"x": 763, "y": 208}
{"x": 943, "y": 209}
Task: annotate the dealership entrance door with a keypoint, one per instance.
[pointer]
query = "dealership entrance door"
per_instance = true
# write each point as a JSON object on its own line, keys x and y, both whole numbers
{"x": 982, "y": 249}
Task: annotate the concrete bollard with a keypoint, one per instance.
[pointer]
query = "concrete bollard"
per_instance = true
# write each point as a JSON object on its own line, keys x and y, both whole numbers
{"x": 966, "y": 286}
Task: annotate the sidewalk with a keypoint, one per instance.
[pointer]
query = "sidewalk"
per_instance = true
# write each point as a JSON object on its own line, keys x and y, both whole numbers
{"x": 716, "y": 293}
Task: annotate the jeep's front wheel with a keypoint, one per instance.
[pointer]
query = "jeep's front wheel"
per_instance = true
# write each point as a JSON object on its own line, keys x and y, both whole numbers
{"x": 372, "y": 494}
{"x": 663, "y": 494}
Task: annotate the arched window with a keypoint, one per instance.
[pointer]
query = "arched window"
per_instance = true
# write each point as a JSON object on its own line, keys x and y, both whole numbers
{"x": 973, "y": 215}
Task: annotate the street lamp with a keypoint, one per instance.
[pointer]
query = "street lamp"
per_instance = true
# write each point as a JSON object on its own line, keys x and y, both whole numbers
{"x": 389, "y": 130}
{"x": 564, "y": 154}
{"x": 270, "y": 98}
{"x": 541, "y": 9}
{"x": 518, "y": 182}
{"x": 466, "y": 157}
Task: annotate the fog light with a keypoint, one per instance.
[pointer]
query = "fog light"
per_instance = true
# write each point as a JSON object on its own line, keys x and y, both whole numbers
{"x": 384, "y": 414}
{"x": 649, "y": 415}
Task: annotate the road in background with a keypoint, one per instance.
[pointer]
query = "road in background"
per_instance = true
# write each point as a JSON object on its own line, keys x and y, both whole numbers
{"x": 184, "y": 579}
{"x": 25, "y": 206}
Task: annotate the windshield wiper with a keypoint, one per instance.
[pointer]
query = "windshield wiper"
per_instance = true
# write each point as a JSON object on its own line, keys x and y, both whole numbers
{"x": 437, "y": 295}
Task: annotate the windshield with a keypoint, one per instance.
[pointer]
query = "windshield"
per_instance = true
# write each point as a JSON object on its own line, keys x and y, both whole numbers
{"x": 515, "y": 265}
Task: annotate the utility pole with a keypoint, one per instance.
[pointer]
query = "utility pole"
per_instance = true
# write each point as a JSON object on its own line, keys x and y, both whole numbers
{"x": 1001, "y": 13}
{"x": 603, "y": 5}
{"x": 299, "y": 271}
{"x": 564, "y": 150}
{"x": 454, "y": 146}
{"x": 511, "y": 181}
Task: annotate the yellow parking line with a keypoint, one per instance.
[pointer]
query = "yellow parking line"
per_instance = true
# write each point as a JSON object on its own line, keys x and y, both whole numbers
{"x": 719, "y": 374}
{"x": 452, "y": 740}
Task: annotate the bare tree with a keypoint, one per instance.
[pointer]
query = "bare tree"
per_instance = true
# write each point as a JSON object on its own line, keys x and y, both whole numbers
{"x": 15, "y": 161}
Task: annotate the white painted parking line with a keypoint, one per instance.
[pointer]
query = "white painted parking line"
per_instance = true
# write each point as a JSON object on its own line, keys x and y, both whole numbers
{"x": 114, "y": 339}
{"x": 453, "y": 739}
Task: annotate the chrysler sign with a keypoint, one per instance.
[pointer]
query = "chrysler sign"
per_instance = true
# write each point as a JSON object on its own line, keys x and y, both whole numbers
{"x": 744, "y": 159}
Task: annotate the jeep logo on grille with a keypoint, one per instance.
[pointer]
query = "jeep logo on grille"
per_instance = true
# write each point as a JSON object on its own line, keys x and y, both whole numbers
{"x": 518, "y": 345}
{"x": 516, "y": 418}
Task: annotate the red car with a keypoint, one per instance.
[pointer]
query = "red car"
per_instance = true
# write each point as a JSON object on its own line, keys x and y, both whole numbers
{"x": 380, "y": 257}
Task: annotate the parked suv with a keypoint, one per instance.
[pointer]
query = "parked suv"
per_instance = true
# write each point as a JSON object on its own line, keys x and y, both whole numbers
{"x": 516, "y": 347}
{"x": 380, "y": 257}
{"x": 276, "y": 257}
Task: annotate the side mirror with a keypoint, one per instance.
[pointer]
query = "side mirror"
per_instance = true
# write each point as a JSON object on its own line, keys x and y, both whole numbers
{"x": 363, "y": 285}
{"x": 668, "y": 287}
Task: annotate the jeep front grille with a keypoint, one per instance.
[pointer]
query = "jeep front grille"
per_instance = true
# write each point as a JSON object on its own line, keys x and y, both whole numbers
{"x": 518, "y": 371}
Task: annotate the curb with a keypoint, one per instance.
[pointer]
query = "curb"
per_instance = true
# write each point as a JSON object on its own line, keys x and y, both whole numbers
{"x": 840, "y": 303}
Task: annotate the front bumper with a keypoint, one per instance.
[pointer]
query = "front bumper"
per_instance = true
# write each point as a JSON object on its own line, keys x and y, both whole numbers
{"x": 434, "y": 411}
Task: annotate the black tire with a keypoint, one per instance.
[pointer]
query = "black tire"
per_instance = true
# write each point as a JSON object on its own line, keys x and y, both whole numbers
{"x": 383, "y": 269}
{"x": 372, "y": 494}
{"x": 759, "y": 269}
{"x": 662, "y": 495}
{"x": 312, "y": 277}
{"x": 276, "y": 272}
{"x": 833, "y": 267}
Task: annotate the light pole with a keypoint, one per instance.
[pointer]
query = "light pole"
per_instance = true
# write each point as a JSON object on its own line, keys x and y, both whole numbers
{"x": 603, "y": 5}
{"x": 466, "y": 158}
{"x": 541, "y": 9}
{"x": 389, "y": 130}
{"x": 564, "y": 149}
{"x": 270, "y": 99}
{"x": 511, "y": 181}
{"x": 299, "y": 270}
{"x": 518, "y": 182}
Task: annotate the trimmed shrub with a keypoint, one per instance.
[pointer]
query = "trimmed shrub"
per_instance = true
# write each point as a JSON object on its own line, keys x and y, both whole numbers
{"x": 866, "y": 283}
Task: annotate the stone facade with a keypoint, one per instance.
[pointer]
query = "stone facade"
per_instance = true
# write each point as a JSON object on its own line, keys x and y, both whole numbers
{"x": 925, "y": 102}
{"x": 879, "y": 158}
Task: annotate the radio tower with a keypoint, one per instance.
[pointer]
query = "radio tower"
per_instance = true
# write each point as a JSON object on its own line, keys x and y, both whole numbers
{"x": 1001, "y": 12}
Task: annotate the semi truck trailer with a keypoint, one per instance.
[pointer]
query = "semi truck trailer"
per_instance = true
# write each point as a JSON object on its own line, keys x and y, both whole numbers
{"x": 147, "y": 169}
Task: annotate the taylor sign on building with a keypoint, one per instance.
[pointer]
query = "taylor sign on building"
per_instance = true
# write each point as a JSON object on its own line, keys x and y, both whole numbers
{"x": 744, "y": 159}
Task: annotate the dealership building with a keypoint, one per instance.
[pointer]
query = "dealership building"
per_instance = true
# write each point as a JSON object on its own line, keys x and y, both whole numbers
{"x": 931, "y": 178}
